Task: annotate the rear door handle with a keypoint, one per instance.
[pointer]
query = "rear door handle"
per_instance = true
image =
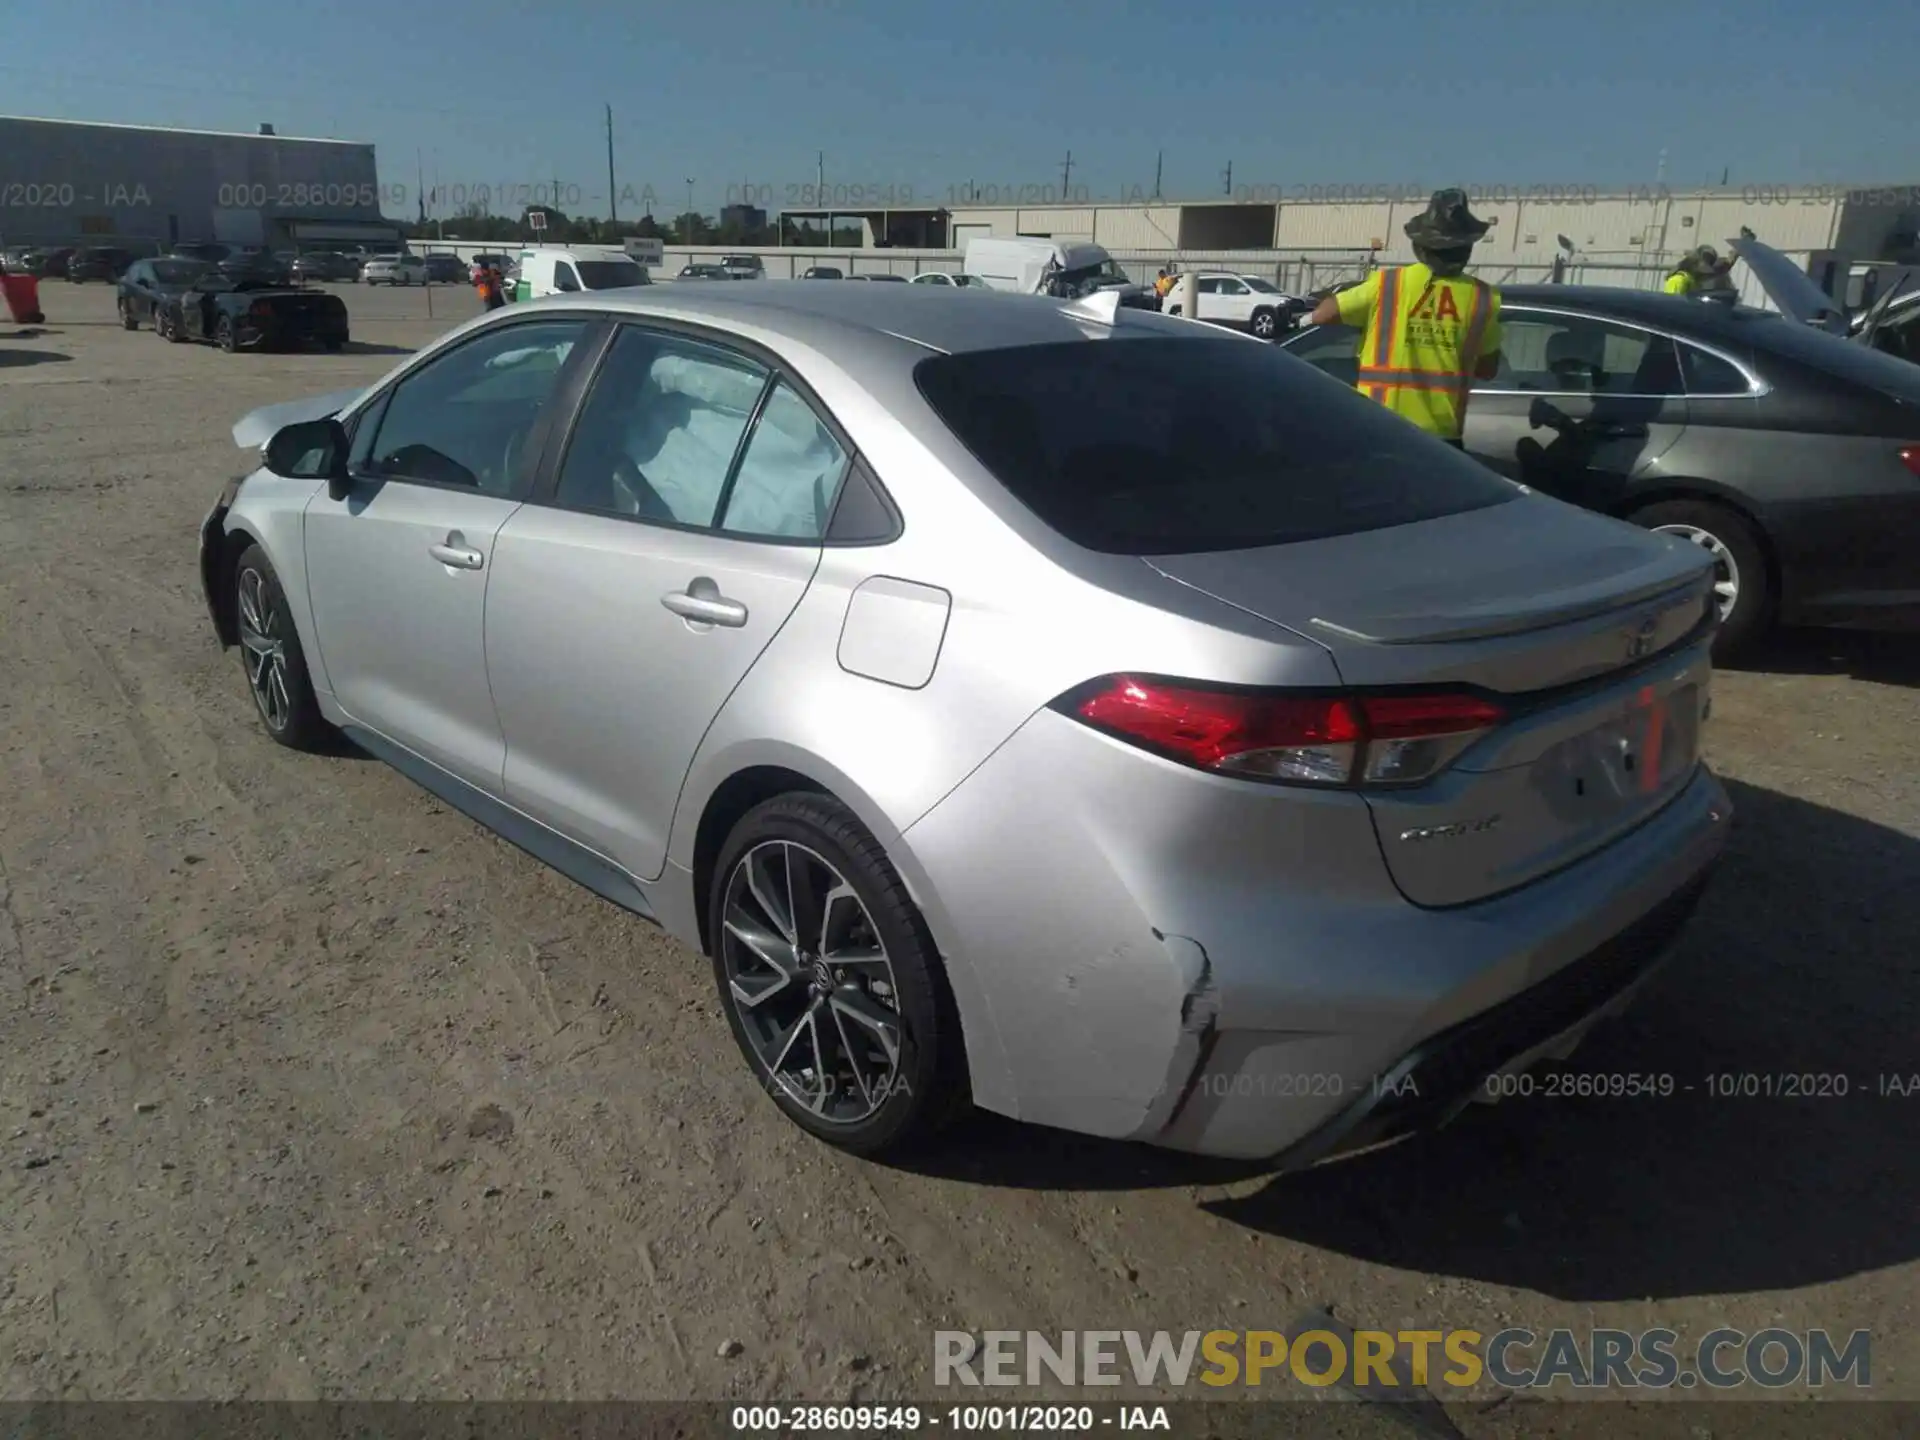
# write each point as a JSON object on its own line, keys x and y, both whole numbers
{"x": 455, "y": 551}
{"x": 1618, "y": 432}
{"x": 702, "y": 601}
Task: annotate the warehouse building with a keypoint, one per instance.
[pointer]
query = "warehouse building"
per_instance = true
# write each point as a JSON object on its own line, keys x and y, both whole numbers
{"x": 146, "y": 187}
{"x": 1647, "y": 228}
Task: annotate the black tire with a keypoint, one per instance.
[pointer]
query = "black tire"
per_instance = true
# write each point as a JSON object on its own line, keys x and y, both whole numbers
{"x": 1265, "y": 323}
{"x": 164, "y": 327}
{"x": 223, "y": 335}
{"x": 334, "y": 347}
{"x": 298, "y": 725}
{"x": 128, "y": 320}
{"x": 1744, "y": 561}
{"x": 929, "y": 1085}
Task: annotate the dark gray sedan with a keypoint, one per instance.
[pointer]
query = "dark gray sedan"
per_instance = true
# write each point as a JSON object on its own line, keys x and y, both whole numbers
{"x": 1793, "y": 456}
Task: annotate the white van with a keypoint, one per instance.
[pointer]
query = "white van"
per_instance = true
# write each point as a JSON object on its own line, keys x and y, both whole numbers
{"x": 557, "y": 270}
{"x": 1029, "y": 266}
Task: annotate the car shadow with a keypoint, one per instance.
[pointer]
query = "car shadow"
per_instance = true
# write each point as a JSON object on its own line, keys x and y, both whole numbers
{"x": 1798, "y": 972}
{"x": 10, "y": 357}
{"x": 1880, "y": 657}
{"x": 360, "y": 347}
{"x": 1800, "y": 963}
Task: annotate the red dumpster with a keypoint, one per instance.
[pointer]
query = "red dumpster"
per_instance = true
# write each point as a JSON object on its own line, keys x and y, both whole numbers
{"x": 23, "y": 299}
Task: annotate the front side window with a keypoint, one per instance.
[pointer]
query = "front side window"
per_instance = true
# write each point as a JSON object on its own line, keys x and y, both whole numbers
{"x": 1331, "y": 349}
{"x": 657, "y": 437}
{"x": 790, "y": 474}
{"x": 1582, "y": 355}
{"x": 464, "y": 417}
{"x": 1164, "y": 446}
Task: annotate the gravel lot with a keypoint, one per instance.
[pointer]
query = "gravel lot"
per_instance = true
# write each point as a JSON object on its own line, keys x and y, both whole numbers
{"x": 311, "y": 1088}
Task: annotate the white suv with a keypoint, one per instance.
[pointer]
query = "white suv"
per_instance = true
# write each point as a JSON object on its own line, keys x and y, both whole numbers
{"x": 1241, "y": 302}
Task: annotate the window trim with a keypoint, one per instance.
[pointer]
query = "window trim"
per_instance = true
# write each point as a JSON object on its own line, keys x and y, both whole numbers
{"x": 545, "y": 491}
{"x": 379, "y": 401}
{"x": 1757, "y": 386}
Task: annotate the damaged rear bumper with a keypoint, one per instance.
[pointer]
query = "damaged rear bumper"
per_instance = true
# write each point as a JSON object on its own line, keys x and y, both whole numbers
{"x": 1227, "y": 969}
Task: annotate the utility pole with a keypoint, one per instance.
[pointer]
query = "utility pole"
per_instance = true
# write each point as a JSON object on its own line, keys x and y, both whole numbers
{"x": 613, "y": 205}
{"x": 820, "y": 176}
{"x": 687, "y": 223}
{"x": 420, "y": 164}
{"x": 1229, "y": 177}
{"x": 1066, "y": 176}
{"x": 1157, "y": 160}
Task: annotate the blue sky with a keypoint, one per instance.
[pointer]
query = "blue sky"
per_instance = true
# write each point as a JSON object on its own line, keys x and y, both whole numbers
{"x": 745, "y": 93}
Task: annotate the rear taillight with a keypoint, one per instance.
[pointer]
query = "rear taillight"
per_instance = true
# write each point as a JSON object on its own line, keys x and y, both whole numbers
{"x": 1910, "y": 457}
{"x": 261, "y": 309}
{"x": 1350, "y": 738}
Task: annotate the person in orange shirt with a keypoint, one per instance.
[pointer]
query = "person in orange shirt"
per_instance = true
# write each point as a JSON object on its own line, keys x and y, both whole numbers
{"x": 490, "y": 288}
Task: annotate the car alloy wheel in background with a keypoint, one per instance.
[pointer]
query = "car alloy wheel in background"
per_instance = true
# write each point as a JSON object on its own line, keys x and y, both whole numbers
{"x": 810, "y": 982}
{"x": 1726, "y": 569}
{"x": 1264, "y": 324}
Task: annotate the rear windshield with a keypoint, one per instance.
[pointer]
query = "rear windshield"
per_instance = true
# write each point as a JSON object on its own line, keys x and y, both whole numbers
{"x": 1846, "y": 359}
{"x": 610, "y": 274}
{"x": 1171, "y": 446}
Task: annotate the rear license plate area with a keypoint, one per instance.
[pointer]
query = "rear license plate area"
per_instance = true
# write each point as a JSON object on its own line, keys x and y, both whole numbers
{"x": 1627, "y": 760}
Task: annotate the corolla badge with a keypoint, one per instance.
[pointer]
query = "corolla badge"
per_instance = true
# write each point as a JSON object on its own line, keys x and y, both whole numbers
{"x": 1451, "y": 832}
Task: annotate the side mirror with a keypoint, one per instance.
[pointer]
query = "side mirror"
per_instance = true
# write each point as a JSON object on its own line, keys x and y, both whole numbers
{"x": 311, "y": 450}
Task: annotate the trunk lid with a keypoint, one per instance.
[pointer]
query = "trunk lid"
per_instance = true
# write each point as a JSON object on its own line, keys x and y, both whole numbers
{"x": 1591, "y": 631}
{"x": 1790, "y": 287}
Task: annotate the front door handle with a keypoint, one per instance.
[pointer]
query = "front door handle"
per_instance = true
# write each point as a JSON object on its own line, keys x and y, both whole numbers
{"x": 455, "y": 551}
{"x": 702, "y": 602}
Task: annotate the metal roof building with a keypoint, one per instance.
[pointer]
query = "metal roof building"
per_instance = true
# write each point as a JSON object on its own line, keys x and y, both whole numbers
{"x": 1649, "y": 226}
{"x": 144, "y": 186}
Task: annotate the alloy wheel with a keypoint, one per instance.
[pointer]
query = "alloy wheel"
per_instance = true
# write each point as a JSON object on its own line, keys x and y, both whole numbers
{"x": 1263, "y": 326}
{"x": 811, "y": 982}
{"x": 264, "y": 650}
{"x": 1726, "y": 570}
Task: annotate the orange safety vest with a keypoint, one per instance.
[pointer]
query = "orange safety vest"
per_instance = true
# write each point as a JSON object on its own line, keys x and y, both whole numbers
{"x": 1411, "y": 355}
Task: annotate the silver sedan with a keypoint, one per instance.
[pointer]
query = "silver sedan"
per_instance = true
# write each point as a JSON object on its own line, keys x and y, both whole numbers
{"x": 1107, "y": 721}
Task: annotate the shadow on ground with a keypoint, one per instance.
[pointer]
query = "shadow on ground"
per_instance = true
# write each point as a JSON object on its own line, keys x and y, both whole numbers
{"x": 1880, "y": 657}
{"x": 360, "y": 347}
{"x": 10, "y": 357}
{"x": 1801, "y": 961}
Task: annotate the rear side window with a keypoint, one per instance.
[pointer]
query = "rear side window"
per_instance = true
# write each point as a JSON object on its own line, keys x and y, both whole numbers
{"x": 1171, "y": 446}
{"x": 1707, "y": 374}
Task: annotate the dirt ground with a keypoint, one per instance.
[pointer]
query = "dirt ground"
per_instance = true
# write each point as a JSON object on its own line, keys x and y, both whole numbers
{"x": 310, "y": 1088}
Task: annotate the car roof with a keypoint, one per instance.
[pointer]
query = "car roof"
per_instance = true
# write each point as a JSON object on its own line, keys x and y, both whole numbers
{"x": 1649, "y": 307}
{"x": 841, "y": 319}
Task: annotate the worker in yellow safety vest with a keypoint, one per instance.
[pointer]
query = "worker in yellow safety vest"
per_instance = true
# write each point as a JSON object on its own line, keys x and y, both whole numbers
{"x": 1430, "y": 330}
{"x": 1698, "y": 270}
